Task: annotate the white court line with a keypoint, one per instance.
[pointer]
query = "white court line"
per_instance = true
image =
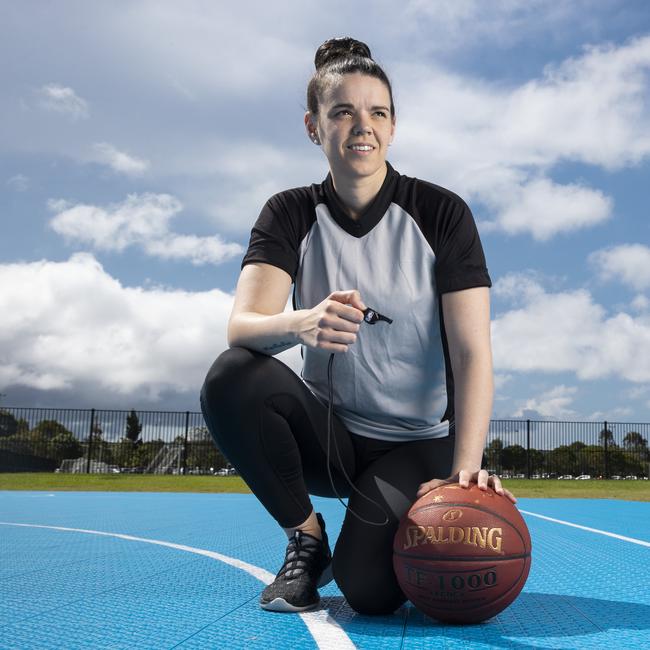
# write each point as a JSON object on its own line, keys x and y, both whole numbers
{"x": 327, "y": 633}
{"x": 591, "y": 530}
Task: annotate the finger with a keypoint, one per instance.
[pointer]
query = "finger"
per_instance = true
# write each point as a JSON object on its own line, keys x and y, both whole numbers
{"x": 511, "y": 496}
{"x": 427, "y": 487}
{"x": 496, "y": 481}
{"x": 464, "y": 477}
{"x": 482, "y": 479}
{"x": 356, "y": 300}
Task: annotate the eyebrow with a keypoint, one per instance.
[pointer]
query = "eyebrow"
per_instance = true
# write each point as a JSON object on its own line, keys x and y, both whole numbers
{"x": 374, "y": 108}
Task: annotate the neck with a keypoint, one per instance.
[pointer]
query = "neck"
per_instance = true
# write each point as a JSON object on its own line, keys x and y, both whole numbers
{"x": 356, "y": 193}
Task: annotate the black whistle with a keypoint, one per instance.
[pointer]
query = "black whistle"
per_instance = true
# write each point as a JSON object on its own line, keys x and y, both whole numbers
{"x": 371, "y": 316}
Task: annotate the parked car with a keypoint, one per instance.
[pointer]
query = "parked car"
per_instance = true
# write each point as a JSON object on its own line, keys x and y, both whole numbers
{"x": 221, "y": 472}
{"x": 616, "y": 477}
{"x": 583, "y": 477}
{"x": 566, "y": 476}
{"x": 631, "y": 478}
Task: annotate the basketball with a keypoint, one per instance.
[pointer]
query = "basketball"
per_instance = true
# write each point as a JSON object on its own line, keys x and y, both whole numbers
{"x": 462, "y": 555}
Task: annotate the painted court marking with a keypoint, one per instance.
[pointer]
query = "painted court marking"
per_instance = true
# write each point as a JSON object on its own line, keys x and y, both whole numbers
{"x": 327, "y": 633}
{"x": 591, "y": 530}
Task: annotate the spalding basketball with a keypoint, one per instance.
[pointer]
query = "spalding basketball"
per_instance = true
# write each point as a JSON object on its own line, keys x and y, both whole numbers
{"x": 462, "y": 555}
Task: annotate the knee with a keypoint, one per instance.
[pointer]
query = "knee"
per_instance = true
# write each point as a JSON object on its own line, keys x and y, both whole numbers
{"x": 229, "y": 370}
{"x": 373, "y": 593}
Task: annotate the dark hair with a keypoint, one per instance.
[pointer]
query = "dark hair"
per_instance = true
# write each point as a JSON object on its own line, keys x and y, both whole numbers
{"x": 338, "y": 56}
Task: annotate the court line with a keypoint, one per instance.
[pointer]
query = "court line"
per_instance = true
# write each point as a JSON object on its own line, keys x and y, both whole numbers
{"x": 591, "y": 530}
{"x": 326, "y": 632}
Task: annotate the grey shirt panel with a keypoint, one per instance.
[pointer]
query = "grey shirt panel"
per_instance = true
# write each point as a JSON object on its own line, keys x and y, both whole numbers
{"x": 415, "y": 241}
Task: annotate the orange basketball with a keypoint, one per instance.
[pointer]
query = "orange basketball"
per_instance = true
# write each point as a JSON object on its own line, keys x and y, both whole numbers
{"x": 462, "y": 555}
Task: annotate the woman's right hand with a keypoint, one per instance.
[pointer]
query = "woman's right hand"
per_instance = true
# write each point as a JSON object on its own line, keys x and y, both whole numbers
{"x": 332, "y": 325}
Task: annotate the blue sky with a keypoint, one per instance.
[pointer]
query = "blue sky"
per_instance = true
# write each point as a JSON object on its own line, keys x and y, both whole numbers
{"x": 140, "y": 140}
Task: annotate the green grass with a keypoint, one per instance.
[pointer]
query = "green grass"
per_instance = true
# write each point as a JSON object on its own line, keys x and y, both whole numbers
{"x": 122, "y": 482}
{"x": 594, "y": 489}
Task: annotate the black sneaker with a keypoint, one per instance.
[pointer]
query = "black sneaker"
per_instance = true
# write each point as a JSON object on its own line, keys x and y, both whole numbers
{"x": 307, "y": 565}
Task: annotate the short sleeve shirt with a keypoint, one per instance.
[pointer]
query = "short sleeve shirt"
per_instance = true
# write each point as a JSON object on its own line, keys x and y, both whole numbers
{"x": 412, "y": 243}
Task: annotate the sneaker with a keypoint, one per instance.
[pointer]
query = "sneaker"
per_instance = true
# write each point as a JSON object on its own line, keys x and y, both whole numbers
{"x": 307, "y": 565}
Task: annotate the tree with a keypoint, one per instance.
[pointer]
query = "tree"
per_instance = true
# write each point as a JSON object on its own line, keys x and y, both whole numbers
{"x": 634, "y": 441}
{"x": 64, "y": 445}
{"x": 493, "y": 453}
{"x": 133, "y": 427}
{"x": 48, "y": 429}
{"x": 8, "y": 424}
{"x": 514, "y": 458}
{"x": 606, "y": 435}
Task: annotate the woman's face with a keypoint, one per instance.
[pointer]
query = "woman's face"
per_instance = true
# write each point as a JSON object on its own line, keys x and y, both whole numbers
{"x": 354, "y": 110}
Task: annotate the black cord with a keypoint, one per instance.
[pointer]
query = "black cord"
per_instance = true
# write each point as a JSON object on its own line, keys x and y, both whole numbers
{"x": 336, "y": 446}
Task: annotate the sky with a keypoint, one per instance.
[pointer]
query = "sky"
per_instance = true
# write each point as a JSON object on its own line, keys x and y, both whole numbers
{"x": 139, "y": 141}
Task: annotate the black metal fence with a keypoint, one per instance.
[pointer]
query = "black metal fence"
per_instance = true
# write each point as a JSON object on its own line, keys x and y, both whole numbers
{"x": 104, "y": 441}
{"x": 101, "y": 441}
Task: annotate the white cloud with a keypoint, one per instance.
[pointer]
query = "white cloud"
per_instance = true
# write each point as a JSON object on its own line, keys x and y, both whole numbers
{"x": 62, "y": 99}
{"x": 58, "y": 205}
{"x": 554, "y": 403}
{"x": 500, "y": 23}
{"x": 640, "y": 303}
{"x": 87, "y": 332}
{"x": 498, "y": 145}
{"x": 120, "y": 161}
{"x": 18, "y": 182}
{"x": 212, "y": 49}
{"x": 140, "y": 220}
{"x": 628, "y": 263}
{"x": 568, "y": 331}
{"x": 545, "y": 209}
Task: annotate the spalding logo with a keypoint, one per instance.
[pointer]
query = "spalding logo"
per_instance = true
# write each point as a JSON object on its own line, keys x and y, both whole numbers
{"x": 452, "y": 515}
{"x": 483, "y": 537}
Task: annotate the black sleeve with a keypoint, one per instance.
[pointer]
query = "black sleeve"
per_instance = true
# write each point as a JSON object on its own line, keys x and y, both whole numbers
{"x": 274, "y": 239}
{"x": 460, "y": 261}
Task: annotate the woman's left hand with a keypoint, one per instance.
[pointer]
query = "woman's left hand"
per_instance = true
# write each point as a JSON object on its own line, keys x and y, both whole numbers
{"x": 465, "y": 477}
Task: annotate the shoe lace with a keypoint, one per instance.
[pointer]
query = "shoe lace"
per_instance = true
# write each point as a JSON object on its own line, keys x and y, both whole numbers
{"x": 300, "y": 554}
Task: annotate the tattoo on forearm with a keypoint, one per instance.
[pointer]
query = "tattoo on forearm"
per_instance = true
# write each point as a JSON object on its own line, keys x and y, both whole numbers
{"x": 275, "y": 346}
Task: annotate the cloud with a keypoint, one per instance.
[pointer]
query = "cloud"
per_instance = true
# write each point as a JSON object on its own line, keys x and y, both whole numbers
{"x": 87, "y": 333}
{"x": 544, "y": 209}
{"x": 120, "y": 161}
{"x": 501, "y": 23}
{"x": 498, "y": 145}
{"x": 567, "y": 332}
{"x": 61, "y": 99}
{"x": 18, "y": 182}
{"x": 140, "y": 220}
{"x": 553, "y": 403}
{"x": 627, "y": 263}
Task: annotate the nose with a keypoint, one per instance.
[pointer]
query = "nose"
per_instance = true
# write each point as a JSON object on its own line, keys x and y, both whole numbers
{"x": 360, "y": 128}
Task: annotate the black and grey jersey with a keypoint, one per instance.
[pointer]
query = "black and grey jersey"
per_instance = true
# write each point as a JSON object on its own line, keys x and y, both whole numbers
{"x": 412, "y": 243}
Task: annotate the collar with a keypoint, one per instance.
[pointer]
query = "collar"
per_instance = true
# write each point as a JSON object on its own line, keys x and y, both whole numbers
{"x": 373, "y": 212}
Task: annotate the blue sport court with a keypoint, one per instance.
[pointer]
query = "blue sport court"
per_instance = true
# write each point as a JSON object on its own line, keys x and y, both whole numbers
{"x": 177, "y": 570}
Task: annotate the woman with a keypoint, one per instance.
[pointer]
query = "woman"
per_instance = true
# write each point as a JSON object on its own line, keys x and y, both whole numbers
{"x": 412, "y": 393}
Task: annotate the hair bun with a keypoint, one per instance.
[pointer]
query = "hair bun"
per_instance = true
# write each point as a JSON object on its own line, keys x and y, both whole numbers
{"x": 340, "y": 48}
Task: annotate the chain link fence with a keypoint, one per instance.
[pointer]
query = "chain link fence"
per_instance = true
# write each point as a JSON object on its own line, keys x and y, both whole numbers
{"x": 172, "y": 442}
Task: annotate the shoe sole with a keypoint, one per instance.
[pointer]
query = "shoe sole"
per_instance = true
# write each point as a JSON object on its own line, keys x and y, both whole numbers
{"x": 281, "y": 605}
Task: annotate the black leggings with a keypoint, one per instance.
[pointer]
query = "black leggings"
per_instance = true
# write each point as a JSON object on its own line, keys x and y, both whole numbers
{"x": 270, "y": 426}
